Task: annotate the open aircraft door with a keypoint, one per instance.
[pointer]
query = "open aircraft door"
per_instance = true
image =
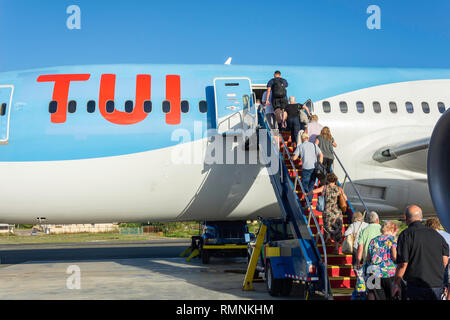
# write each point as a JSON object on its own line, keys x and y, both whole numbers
{"x": 6, "y": 93}
{"x": 235, "y": 107}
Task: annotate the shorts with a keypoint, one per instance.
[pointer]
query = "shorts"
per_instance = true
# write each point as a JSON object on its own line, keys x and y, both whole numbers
{"x": 279, "y": 115}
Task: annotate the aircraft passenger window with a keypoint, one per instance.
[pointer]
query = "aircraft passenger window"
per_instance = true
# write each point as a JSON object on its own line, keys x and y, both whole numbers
{"x": 184, "y": 106}
{"x": 425, "y": 107}
{"x": 441, "y": 107}
{"x": 147, "y": 106}
{"x": 203, "y": 106}
{"x": 326, "y": 107}
{"x": 53, "y": 106}
{"x": 72, "y": 106}
{"x": 3, "y": 109}
{"x": 343, "y": 106}
{"x": 409, "y": 107}
{"x": 128, "y": 106}
{"x": 91, "y": 106}
{"x": 166, "y": 106}
{"x": 360, "y": 107}
{"x": 377, "y": 107}
{"x": 393, "y": 107}
{"x": 110, "y": 106}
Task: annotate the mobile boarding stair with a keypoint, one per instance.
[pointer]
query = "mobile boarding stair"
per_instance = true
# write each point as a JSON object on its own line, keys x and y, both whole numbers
{"x": 303, "y": 256}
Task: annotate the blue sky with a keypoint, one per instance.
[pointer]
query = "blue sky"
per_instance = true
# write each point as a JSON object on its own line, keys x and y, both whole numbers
{"x": 291, "y": 32}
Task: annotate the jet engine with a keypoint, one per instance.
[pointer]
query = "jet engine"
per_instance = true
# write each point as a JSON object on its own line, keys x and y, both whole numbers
{"x": 438, "y": 167}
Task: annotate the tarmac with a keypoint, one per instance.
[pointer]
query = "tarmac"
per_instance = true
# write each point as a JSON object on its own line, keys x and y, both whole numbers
{"x": 125, "y": 274}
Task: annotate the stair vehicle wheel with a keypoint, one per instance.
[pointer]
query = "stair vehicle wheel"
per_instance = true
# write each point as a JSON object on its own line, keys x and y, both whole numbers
{"x": 273, "y": 285}
{"x": 286, "y": 287}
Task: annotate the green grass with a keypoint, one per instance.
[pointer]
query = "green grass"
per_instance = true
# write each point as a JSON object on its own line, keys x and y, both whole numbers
{"x": 169, "y": 230}
{"x": 77, "y": 237}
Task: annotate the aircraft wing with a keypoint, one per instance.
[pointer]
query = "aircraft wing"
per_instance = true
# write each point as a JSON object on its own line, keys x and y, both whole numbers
{"x": 410, "y": 156}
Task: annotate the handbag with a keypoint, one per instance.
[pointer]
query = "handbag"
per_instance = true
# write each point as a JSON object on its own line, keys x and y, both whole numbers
{"x": 319, "y": 167}
{"x": 349, "y": 242}
{"x": 347, "y": 246}
{"x": 360, "y": 285}
{"x": 303, "y": 117}
{"x": 342, "y": 202}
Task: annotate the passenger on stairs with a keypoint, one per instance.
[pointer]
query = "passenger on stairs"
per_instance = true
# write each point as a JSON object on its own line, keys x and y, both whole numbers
{"x": 309, "y": 153}
{"x": 381, "y": 257}
{"x": 354, "y": 230}
{"x": 269, "y": 112}
{"x": 326, "y": 143}
{"x": 276, "y": 90}
{"x": 314, "y": 128}
{"x": 293, "y": 110}
{"x": 332, "y": 215}
{"x": 372, "y": 231}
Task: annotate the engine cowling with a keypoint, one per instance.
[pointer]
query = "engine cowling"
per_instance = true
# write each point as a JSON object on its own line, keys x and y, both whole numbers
{"x": 438, "y": 167}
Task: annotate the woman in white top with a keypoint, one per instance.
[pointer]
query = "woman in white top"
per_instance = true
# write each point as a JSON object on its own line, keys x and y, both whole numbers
{"x": 314, "y": 128}
{"x": 355, "y": 228}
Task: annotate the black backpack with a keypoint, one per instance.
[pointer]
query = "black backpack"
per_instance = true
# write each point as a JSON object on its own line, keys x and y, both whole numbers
{"x": 278, "y": 89}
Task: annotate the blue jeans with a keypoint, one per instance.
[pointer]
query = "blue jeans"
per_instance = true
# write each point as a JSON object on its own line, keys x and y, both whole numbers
{"x": 418, "y": 293}
{"x": 295, "y": 126}
{"x": 308, "y": 180}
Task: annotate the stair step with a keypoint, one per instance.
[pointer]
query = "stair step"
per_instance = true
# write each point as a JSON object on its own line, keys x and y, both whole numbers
{"x": 342, "y": 293}
{"x": 342, "y": 282}
{"x": 314, "y": 229}
{"x": 319, "y": 218}
{"x": 329, "y": 249}
{"x": 339, "y": 259}
{"x": 341, "y": 271}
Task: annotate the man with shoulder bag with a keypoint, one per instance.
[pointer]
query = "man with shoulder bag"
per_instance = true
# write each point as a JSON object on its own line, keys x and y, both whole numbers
{"x": 310, "y": 154}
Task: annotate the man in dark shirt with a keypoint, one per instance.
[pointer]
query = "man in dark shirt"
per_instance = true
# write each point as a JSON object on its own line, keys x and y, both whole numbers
{"x": 293, "y": 110}
{"x": 422, "y": 255}
{"x": 278, "y": 100}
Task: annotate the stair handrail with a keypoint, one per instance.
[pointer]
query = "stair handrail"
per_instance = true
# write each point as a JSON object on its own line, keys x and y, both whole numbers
{"x": 351, "y": 183}
{"x": 308, "y": 203}
{"x": 228, "y": 119}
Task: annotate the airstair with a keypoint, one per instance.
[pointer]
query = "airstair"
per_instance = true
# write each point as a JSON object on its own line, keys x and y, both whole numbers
{"x": 306, "y": 257}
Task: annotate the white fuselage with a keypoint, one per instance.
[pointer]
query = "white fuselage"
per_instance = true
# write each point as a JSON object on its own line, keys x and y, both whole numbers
{"x": 150, "y": 186}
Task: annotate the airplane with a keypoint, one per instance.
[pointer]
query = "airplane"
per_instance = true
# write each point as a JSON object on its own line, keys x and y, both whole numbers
{"x": 96, "y": 143}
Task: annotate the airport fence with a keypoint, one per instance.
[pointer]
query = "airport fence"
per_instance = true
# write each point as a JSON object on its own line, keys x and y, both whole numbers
{"x": 137, "y": 230}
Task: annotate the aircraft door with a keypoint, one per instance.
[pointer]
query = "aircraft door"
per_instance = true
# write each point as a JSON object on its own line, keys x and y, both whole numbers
{"x": 6, "y": 93}
{"x": 235, "y": 109}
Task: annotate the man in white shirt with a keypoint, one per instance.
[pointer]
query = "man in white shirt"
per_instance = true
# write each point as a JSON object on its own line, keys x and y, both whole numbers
{"x": 309, "y": 153}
